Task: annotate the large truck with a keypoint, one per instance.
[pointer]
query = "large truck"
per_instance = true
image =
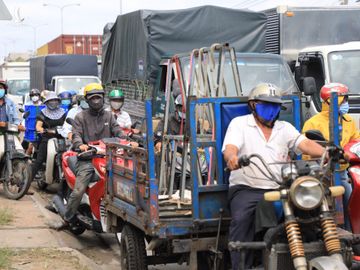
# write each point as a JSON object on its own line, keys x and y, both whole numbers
{"x": 172, "y": 53}
{"x": 63, "y": 72}
{"x": 318, "y": 42}
{"x": 17, "y": 76}
{"x": 140, "y": 64}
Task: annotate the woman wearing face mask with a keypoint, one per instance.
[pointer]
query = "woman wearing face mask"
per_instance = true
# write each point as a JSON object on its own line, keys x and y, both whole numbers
{"x": 66, "y": 131}
{"x": 349, "y": 131}
{"x": 35, "y": 100}
{"x": 66, "y": 99}
{"x": 50, "y": 117}
{"x": 117, "y": 98}
{"x": 34, "y": 97}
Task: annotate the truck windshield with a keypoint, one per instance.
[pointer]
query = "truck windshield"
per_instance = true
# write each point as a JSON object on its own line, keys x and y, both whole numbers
{"x": 344, "y": 67}
{"x": 253, "y": 70}
{"x": 64, "y": 84}
{"x": 18, "y": 87}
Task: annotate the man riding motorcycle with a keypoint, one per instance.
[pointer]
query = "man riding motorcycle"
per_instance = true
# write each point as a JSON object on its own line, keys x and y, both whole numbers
{"x": 117, "y": 99}
{"x": 257, "y": 133}
{"x": 348, "y": 133}
{"x": 92, "y": 124}
{"x": 8, "y": 113}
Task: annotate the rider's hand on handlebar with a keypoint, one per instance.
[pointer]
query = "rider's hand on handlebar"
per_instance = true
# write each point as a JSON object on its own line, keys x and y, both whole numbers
{"x": 83, "y": 147}
{"x": 21, "y": 128}
{"x": 2, "y": 124}
{"x": 233, "y": 163}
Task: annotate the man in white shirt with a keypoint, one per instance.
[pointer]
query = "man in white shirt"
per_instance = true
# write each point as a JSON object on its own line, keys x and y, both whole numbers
{"x": 258, "y": 133}
{"x": 117, "y": 98}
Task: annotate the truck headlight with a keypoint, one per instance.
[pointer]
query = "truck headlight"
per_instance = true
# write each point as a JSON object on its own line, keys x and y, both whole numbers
{"x": 306, "y": 192}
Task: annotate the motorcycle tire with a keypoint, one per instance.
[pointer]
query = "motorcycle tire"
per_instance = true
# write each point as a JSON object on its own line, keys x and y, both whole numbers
{"x": 17, "y": 187}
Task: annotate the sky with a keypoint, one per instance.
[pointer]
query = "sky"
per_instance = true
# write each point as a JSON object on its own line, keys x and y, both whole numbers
{"x": 92, "y": 15}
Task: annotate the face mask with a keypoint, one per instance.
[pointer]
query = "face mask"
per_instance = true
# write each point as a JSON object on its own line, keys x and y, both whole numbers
{"x": 116, "y": 105}
{"x": 35, "y": 98}
{"x": 344, "y": 108}
{"x": 267, "y": 111}
{"x": 96, "y": 103}
{"x": 52, "y": 104}
{"x": 66, "y": 102}
{"x": 2, "y": 93}
{"x": 84, "y": 105}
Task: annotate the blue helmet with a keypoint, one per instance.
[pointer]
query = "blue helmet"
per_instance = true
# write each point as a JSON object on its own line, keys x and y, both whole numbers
{"x": 66, "y": 97}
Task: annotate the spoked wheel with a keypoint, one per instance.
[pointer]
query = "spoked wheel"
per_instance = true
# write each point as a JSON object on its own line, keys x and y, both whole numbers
{"x": 17, "y": 186}
{"x": 40, "y": 180}
{"x": 132, "y": 249}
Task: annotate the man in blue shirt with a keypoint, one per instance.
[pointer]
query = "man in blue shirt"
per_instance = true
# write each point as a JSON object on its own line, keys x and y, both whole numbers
{"x": 8, "y": 113}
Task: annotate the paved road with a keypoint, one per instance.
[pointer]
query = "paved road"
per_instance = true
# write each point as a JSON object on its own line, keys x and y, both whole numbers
{"x": 103, "y": 249}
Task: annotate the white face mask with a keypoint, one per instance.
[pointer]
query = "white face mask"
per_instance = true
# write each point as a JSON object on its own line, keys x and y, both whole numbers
{"x": 35, "y": 98}
{"x": 116, "y": 105}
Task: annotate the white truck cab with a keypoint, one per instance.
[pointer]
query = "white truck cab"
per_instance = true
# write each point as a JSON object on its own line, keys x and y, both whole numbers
{"x": 64, "y": 83}
{"x": 331, "y": 63}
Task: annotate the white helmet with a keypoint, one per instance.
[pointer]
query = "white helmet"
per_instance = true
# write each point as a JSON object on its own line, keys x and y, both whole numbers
{"x": 266, "y": 92}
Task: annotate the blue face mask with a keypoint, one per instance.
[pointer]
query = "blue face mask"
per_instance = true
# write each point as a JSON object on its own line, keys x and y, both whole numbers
{"x": 267, "y": 111}
{"x": 344, "y": 108}
{"x": 84, "y": 105}
{"x": 66, "y": 102}
{"x": 2, "y": 93}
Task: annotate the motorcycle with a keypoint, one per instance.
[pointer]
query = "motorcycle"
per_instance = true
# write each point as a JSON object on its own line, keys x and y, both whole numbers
{"x": 51, "y": 172}
{"x": 308, "y": 230}
{"x": 15, "y": 169}
{"x": 352, "y": 150}
{"x": 91, "y": 212}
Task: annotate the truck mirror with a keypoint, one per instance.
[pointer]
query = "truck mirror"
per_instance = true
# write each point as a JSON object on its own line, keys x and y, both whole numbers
{"x": 50, "y": 87}
{"x": 309, "y": 86}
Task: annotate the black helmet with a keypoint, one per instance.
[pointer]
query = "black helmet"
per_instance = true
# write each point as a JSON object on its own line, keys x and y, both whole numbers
{"x": 34, "y": 92}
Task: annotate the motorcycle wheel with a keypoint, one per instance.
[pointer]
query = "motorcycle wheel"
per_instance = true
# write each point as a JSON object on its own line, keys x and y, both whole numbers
{"x": 19, "y": 185}
{"x": 132, "y": 246}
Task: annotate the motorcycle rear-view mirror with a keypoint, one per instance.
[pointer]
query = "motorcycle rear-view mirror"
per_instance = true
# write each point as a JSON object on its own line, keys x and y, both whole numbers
{"x": 70, "y": 121}
{"x": 315, "y": 135}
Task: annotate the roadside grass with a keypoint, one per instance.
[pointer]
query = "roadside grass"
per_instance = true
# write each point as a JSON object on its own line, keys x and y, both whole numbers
{"x": 6, "y": 216}
{"x": 5, "y": 258}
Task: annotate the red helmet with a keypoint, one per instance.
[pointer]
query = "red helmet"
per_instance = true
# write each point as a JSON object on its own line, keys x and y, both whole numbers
{"x": 4, "y": 84}
{"x": 341, "y": 89}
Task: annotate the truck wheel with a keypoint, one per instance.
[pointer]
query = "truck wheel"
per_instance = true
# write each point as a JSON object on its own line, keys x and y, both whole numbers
{"x": 132, "y": 249}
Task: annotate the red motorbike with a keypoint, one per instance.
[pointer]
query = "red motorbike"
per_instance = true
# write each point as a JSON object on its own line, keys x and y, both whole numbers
{"x": 91, "y": 212}
{"x": 352, "y": 150}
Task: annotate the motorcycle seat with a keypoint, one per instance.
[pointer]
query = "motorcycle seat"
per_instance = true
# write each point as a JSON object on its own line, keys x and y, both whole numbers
{"x": 72, "y": 160}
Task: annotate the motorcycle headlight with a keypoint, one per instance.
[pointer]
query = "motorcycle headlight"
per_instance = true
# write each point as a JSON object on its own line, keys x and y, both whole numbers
{"x": 306, "y": 192}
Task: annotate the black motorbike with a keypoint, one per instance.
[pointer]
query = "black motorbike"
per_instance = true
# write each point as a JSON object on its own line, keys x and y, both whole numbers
{"x": 14, "y": 164}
